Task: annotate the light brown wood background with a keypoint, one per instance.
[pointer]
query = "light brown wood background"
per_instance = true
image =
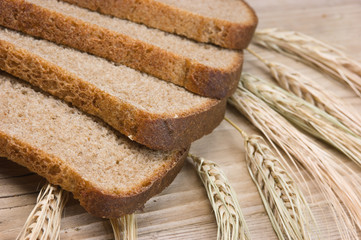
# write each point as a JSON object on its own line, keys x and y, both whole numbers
{"x": 182, "y": 211}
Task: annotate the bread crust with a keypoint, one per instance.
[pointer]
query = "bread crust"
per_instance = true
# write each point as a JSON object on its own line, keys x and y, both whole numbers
{"x": 174, "y": 20}
{"x": 156, "y": 131}
{"x": 122, "y": 49}
{"x": 96, "y": 201}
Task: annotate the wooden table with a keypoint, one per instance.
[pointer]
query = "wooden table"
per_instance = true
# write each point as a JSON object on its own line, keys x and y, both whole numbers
{"x": 182, "y": 211}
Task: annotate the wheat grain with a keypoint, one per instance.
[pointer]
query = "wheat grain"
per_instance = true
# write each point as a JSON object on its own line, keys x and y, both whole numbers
{"x": 306, "y": 116}
{"x": 230, "y": 221}
{"x": 313, "y": 52}
{"x": 285, "y": 204}
{"x": 126, "y": 224}
{"x": 43, "y": 222}
{"x": 295, "y": 82}
{"x": 327, "y": 171}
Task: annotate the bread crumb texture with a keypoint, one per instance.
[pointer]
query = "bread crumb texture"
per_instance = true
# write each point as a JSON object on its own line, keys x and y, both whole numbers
{"x": 82, "y": 143}
{"x": 145, "y": 92}
{"x": 203, "y": 53}
{"x": 226, "y": 23}
{"x": 229, "y": 10}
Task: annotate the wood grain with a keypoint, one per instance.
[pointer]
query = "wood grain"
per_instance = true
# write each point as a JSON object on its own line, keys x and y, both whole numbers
{"x": 182, "y": 211}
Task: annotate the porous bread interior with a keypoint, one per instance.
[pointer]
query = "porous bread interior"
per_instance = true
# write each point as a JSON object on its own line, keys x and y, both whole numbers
{"x": 108, "y": 161}
{"x": 141, "y": 90}
{"x": 203, "y": 53}
{"x": 230, "y": 10}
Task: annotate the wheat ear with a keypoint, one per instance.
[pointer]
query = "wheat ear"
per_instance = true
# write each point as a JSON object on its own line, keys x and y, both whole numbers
{"x": 328, "y": 172}
{"x": 313, "y": 52}
{"x": 285, "y": 204}
{"x": 44, "y": 220}
{"x": 306, "y": 116}
{"x": 230, "y": 221}
{"x": 303, "y": 87}
{"x": 126, "y": 224}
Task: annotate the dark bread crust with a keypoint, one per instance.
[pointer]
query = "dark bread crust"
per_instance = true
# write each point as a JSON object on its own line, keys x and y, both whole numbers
{"x": 156, "y": 131}
{"x": 198, "y": 78}
{"x": 171, "y": 19}
{"x": 95, "y": 201}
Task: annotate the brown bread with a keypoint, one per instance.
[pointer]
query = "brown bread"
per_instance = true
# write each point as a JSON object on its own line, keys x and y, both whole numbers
{"x": 108, "y": 173}
{"x": 149, "y": 111}
{"x": 227, "y": 23}
{"x": 201, "y": 68}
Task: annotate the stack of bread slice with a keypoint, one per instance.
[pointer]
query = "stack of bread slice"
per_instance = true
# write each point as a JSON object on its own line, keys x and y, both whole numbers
{"x": 107, "y": 106}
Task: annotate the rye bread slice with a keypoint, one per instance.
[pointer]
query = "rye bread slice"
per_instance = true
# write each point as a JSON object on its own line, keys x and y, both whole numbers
{"x": 201, "y": 68}
{"x": 109, "y": 174}
{"x": 150, "y": 111}
{"x": 227, "y": 23}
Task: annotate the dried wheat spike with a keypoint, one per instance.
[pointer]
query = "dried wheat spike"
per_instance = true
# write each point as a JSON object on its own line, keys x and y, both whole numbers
{"x": 303, "y": 87}
{"x": 327, "y": 171}
{"x": 313, "y": 52}
{"x": 230, "y": 221}
{"x": 285, "y": 204}
{"x": 307, "y": 116}
{"x": 43, "y": 222}
{"x": 126, "y": 224}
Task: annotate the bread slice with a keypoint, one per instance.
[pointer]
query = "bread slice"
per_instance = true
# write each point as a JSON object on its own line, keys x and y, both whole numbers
{"x": 110, "y": 175}
{"x": 152, "y": 112}
{"x": 203, "y": 69}
{"x": 227, "y": 23}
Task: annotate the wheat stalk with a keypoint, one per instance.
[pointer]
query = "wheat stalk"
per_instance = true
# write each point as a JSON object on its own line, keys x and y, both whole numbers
{"x": 126, "y": 224}
{"x": 306, "y": 116}
{"x": 313, "y": 52}
{"x": 300, "y": 85}
{"x": 328, "y": 172}
{"x": 44, "y": 220}
{"x": 230, "y": 221}
{"x": 284, "y": 202}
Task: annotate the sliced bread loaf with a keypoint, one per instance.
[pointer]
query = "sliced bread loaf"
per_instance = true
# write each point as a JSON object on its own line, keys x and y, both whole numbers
{"x": 227, "y": 23}
{"x": 203, "y": 69}
{"x": 110, "y": 175}
{"x": 155, "y": 113}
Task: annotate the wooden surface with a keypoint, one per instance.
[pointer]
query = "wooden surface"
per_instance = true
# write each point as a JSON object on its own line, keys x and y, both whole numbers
{"x": 182, "y": 211}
